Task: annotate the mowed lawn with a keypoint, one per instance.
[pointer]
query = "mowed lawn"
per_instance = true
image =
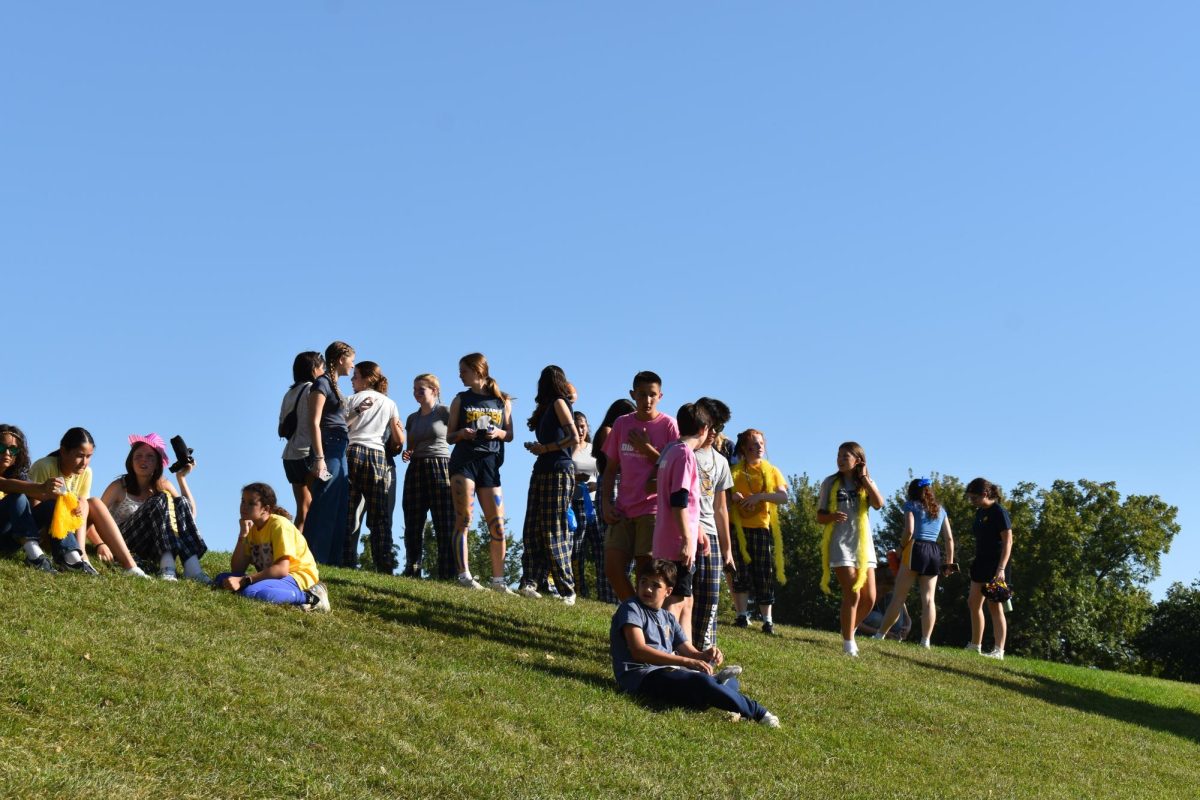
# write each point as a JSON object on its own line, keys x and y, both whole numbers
{"x": 127, "y": 688}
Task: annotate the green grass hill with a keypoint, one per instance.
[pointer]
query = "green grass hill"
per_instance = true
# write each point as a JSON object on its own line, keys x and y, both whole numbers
{"x": 128, "y": 688}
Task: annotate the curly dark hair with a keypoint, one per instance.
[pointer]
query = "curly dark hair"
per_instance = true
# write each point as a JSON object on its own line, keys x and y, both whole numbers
{"x": 20, "y": 468}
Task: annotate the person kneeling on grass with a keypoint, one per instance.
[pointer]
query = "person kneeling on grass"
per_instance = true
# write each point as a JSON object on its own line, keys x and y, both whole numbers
{"x": 654, "y": 660}
{"x": 285, "y": 570}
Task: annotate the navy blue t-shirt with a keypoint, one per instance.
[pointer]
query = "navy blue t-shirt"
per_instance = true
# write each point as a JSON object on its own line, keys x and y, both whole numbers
{"x": 660, "y": 630}
{"x": 481, "y": 412}
{"x": 332, "y": 416}
{"x": 989, "y": 524}
{"x": 550, "y": 431}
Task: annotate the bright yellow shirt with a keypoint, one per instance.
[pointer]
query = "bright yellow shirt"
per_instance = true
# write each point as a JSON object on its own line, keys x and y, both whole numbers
{"x": 278, "y": 539}
{"x": 45, "y": 469}
{"x": 748, "y": 481}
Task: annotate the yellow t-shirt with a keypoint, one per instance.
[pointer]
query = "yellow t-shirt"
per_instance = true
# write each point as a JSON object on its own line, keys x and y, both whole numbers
{"x": 277, "y": 539}
{"x": 750, "y": 480}
{"x": 46, "y": 468}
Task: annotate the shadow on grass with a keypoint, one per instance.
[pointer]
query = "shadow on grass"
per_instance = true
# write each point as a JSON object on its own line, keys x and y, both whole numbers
{"x": 1176, "y": 721}
{"x": 464, "y": 620}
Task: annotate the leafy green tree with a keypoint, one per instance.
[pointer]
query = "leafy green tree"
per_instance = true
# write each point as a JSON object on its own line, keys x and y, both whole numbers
{"x": 1170, "y": 642}
{"x": 1082, "y": 566}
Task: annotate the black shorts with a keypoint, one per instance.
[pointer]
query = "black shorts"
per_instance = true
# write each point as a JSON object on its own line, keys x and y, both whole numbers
{"x": 683, "y": 580}
{"x": 484, "y": 471}
{"x": 296, "y": 470}
{"x": 924, "y": 558}
{"x": 983, "y": 570}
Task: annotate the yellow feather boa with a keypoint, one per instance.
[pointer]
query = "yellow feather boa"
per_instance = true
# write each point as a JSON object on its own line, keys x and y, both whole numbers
{"x": 864, "y": 539}
{"x": 769, "y": 486}
{"x": 64, "y": 519}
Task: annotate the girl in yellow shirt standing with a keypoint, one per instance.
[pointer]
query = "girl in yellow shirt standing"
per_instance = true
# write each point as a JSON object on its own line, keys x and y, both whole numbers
{"x": 758, "y": 491}
{"x": 285, "y": 571}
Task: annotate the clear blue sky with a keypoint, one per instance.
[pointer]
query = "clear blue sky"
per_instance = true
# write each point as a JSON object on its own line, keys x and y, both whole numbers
{"x": 963, "y": 236}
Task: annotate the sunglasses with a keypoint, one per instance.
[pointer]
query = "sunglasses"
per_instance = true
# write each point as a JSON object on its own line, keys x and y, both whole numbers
{"x": 10, "y": 449}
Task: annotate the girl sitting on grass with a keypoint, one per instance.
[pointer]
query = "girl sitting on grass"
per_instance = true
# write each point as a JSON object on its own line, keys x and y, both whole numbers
{"x": 90, "y": 518}
{"x": 157, "y": 521}
{"x": 17, "y": 526}
{"x": 285, "y": 571}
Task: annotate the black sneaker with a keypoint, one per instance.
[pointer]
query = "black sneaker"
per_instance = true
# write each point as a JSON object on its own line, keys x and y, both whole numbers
{"x": 81, "y": 567}
{"x": 741, "y": 621}
{"x": 769, "y": 628}
{"x": 41, "y": 564}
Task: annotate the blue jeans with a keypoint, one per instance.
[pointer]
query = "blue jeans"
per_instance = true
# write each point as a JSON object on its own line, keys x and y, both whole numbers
{"x": 691, "y": 689}
{"x": 16, "y": 520}
{"x": 325, "y": 525}
{"x": 42, "y": 515}
{"x": 282, "y": 591}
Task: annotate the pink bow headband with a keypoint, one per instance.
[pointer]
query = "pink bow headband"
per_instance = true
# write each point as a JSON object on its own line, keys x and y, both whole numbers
{"x": 154, "y": 440}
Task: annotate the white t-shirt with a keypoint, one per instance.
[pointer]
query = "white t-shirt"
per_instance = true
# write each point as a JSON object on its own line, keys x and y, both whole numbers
{"x": 369, "y": 414}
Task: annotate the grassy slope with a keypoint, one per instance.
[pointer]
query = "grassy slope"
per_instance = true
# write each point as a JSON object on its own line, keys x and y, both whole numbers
{"x": 145, "y": 689}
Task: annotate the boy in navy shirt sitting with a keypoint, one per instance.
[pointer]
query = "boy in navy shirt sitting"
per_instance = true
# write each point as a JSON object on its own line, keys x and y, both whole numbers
{"x": 653, "y": 659}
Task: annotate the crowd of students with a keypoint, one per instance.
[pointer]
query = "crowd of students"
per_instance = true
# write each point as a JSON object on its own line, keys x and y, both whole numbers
{"x": 668, "y": 496}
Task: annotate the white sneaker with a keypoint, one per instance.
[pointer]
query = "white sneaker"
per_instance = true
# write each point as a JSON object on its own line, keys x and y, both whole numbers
{"x": 467, "y": 582}
{"x": 569, "y": 600}
{"x": 318, "y": 599}
{"x": 530, "y": 591}
{"x": 975, "y": 647}
{"x": 994, "y": 653}
{"x": 732, "y": 671}
{"x": 499, "y": 586}
{"x": 770, "y": 720}
{"x": 136, "y": 572}
{"x": 169, "y": 576}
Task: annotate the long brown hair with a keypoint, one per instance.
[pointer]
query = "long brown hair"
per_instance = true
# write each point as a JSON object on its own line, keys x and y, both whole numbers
{"x": 129, "y": 479}
{"x": 266, "y": 496}
{"x": 983, "y": 488}
{"x": 924, "y": 495}
{"x": 478, "y": 362}
{"x": 552, "y": 386}
{"x": 20, "y": 467}
{"x": 334, "y": 354}
{"x": 370, "y": 374}
{"x": 857, "y": 451}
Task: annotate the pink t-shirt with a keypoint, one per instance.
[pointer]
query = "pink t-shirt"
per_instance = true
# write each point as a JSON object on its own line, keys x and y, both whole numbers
{"x": 676, "y": 470}
{"x": 636, "y": 468}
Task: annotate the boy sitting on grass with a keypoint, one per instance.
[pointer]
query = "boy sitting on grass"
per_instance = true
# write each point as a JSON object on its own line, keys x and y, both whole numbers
{"x": 654, "y": 660}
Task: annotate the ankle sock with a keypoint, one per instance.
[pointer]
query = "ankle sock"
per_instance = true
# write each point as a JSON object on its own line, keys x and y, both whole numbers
{"x": 166, "y": 564}
{"x": 32, "y": 551}
{"x": 849, "y": 646}
{"x": 72, "y": 557}
{"x": 192, "y": 568}
{"x": 925, "y": 643}
{"x": 975, "y": 647}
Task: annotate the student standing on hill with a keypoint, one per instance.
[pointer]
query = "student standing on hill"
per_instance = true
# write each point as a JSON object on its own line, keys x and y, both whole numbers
{"x": 547, "y": 536}
{"x": 632, "y": 450}
{"x": 157, "y": 521}
{"x": 715, "y": 479}
{"x": 677, "y": 535}
{"x": 758, "y": 491}
{"x": 17, "y": 525}
{"x": 329, "y": 434}
{"x": 373, "y": 419}
{"x": 847, "y": 546}
{"x": 427, "y": 480}
{"x": 586, "y": 542}
{"x": 607, "y": 498}
{"x": 481, "y": 422}
{"x": 920, "y": 557}
{"x": 294, "y": 426}
{"x": 285, "y": 571}
{"x": 89, "y": 520}
{"x": 993, "y": 548}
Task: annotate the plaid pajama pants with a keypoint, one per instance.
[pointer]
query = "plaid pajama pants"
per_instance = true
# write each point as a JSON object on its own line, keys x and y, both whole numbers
{"x": 148, "y": 532}
{"x": 427, "y": 491}
{"x": 546, "y": 538}
{"x": 706, "y": 592}
{"x": 587, "y": 541}
{"x": 369, "y": 481}
{"x": 759, "y": 574}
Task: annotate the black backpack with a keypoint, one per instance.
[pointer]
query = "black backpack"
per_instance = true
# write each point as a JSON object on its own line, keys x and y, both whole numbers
{"x": 287, "y": 425}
